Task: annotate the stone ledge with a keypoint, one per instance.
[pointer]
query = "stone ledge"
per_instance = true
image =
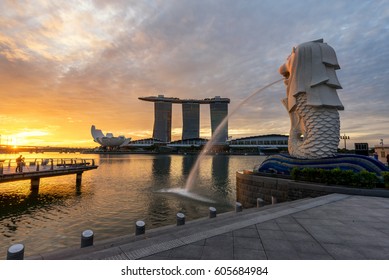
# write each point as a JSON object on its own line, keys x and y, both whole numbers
{"x": 251, "y": 186}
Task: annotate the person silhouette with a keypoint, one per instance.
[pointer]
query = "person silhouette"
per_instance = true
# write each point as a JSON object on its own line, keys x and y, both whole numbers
{"x": 19, "y": 161}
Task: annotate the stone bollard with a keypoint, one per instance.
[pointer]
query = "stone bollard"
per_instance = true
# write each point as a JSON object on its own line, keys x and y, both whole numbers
{"x": 15, "y": 252}
{"x": 238, "y": 207}
{"x": 180, "y": 219}
{"x": 273, "y": 200}
{"x": 260, "y": 202}
{"x": 140, "y": 227}
{"x": 87, "y": 238}
{"x": 212, "y": 212}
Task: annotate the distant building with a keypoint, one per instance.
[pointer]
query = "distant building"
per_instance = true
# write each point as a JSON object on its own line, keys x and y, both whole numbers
{"x": 361, "y": 149}
{"x": 190, "y": 120}
{"x": 219, "y": 112}
{"x": 162, "y": 121}
{"x": 191, "y": 116}
{"x": 260, "y": 143}
{"x": 195, "y": 142}
{"x": 382, "y": 150}
{"x": 148, "y": 142}
{"x": 108, "y": 140}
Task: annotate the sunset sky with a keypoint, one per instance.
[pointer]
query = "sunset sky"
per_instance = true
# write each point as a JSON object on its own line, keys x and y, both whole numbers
{"x": 65, "y": 65}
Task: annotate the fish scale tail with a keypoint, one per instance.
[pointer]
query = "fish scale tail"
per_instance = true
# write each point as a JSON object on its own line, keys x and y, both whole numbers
{"x": 321, "y": 135}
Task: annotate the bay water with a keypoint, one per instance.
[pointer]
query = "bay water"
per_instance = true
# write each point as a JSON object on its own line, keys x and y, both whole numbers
{"x": 125, "y": 188}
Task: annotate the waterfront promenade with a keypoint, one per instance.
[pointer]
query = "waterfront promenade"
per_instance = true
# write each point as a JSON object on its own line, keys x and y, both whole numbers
{"x": 335, "y": 226}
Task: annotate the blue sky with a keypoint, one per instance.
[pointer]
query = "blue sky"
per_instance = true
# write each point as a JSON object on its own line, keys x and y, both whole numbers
{"x": 68, "y": 65}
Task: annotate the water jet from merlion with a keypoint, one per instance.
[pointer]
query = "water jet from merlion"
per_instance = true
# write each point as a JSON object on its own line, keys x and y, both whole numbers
{"x": 187, "y": 191}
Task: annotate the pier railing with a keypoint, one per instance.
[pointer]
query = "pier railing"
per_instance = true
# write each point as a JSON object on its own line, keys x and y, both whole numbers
{"x": 11, "y": 166}
{"x": 35, "y": 169}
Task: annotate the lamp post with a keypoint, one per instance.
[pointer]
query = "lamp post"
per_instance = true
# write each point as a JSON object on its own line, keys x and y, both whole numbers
{"x": 345, "y": 138}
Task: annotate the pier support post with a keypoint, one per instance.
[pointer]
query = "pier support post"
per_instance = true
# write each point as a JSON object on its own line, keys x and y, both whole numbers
{"x": 15, "y": 252}
{"x": 87, "y": 238}
{"x": 212, "y": 212}
{"x": 238, "y": 207}
{"x": 140, "y": 227}
{"x": 35, "y": 183}
{"x": 180, "y": 219}
{"x": 78, "y": 179}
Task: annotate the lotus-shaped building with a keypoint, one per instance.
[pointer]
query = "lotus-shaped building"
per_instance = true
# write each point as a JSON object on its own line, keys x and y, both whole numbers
{"x": 108, "y": 140}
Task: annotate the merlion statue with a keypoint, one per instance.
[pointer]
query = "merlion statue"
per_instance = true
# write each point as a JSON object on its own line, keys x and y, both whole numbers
{"x": 313, "y": 104}
{"x": 312, "y": 101}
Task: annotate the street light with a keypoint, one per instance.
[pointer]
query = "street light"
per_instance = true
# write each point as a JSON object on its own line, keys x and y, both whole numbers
{"x": 345, "y": 138}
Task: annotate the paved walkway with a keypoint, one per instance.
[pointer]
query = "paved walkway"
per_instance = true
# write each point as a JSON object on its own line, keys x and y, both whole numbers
{"x": 335, "y": 226}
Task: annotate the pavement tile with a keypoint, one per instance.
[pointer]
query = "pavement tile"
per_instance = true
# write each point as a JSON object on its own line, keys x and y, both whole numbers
{"x": 302, "y": 215}
{"x": 156, "y": 257}
{"x": 286, "y": 219}
{"x": 248, "y": 254}
{"x": 268, "y": 225}
{"x": 385, "y": 231}
{"x": 310, "y": 256}
{"x": 282, "y": 255}
{"x": 375, "y": 225}
{"x": 247, "y": 243}
{"x": 360, "y": 240}
{"x": 200, "y": 242}
{"x": 340, "y": 229}
{"x": 315, "y": 221}
{"x": 298, "y": 236}
{"x": 252, "y": 227}
{"x": 187, "y": 252}
{"x": 217, "y": 253}
{"x": 317, "y": 213}
{"x": 370, "y": 232}
{"x": 343, "y": 252}
{"x": 326, "y": 236}
{"x": 219, "y": 241}
{"x": 277, "y": 245}
{"x": 246, "y": 232}
{"x": 229, "y": 233}
{"x": 374, "y": 252}
{"x": 309, "y": 247}
{"x": 164, "y": 255}
{"x": 271, "y": 234}
{"x": 291, "y": 227}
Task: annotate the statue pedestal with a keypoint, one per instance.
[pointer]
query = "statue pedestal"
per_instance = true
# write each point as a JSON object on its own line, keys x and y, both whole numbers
{"x": 283, "y": 164}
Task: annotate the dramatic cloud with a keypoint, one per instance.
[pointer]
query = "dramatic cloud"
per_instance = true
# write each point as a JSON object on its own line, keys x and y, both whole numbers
{"x": 70, "y": 64}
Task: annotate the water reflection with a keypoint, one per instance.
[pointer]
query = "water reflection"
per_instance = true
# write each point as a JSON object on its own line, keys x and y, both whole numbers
{"x": 161, "y": 169}
{"x": 220, "y": 179}
{"x": 16, "y": 203}
{"x": 187, "y": 164}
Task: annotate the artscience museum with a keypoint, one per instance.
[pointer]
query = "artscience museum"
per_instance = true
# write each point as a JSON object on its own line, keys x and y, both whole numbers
{"x": 108, "y": 140}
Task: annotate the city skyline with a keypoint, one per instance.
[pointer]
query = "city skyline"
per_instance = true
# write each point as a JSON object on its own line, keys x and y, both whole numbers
{"x": 67, "y": 65}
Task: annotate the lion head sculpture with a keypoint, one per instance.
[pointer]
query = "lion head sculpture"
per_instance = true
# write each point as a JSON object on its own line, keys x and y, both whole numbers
{"x": 312, "y": 100}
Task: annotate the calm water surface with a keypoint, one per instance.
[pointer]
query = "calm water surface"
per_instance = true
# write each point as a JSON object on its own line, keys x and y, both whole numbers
{"x": 124, "y": 189}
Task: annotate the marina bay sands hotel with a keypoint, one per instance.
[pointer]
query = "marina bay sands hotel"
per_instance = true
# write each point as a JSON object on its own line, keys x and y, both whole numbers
{"x": 190, "y": 114}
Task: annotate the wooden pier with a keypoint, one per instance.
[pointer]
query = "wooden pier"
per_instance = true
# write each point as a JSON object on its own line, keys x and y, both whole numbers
{"x": 35, "y": 169}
